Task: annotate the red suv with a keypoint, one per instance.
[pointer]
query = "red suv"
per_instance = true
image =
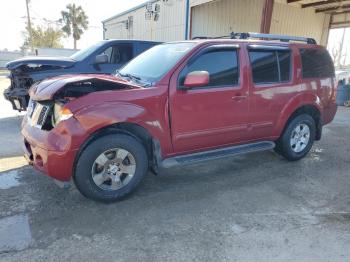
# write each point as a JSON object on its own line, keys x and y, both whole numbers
{"x": 180, "y": 103}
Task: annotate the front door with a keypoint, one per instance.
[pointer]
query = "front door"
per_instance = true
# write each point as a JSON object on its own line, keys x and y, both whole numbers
{"x": 212, "y": 115}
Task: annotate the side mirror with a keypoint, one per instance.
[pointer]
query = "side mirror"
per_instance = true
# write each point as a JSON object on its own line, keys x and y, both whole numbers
{"x": 197, "y": 79}
{"x": 101, "y": 59}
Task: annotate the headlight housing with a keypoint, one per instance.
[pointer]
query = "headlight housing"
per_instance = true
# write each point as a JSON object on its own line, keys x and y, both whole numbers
{"x": 60, "y": 113}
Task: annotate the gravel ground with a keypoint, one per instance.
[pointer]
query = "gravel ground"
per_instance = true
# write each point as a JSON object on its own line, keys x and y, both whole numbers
{"x": 257, "y": 207}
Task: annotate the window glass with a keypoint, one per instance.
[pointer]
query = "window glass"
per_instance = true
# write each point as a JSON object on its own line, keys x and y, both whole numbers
{"x": 119, "y": 54}
{"x": 84, "y": 53}
{"x": 122, "y": 53}
{"x": 152, "y": 64}
{"x": 316, "y": 63}
{"x": 270, "y": 66}
{"x": 264, "y": 66}
{"x": 108, "y": 52}
{"x": 222, "y": 66}
{"x": 284, "y": 63}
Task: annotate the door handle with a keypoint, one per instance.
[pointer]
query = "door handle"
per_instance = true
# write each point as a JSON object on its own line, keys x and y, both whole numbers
{"x": 238, "y": 98}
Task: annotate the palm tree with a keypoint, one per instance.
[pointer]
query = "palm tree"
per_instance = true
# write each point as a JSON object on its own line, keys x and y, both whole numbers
{"x": 75, "y": 22}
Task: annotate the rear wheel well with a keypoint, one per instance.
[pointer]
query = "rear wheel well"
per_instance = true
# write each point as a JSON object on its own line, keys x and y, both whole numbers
{"x": 136, "y": 131}
{"x": 314, "y": 113}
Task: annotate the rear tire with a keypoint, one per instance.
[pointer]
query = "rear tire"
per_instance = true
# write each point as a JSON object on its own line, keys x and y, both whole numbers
{"x": 111, "y": 167}
{"x": 297, "y": 138}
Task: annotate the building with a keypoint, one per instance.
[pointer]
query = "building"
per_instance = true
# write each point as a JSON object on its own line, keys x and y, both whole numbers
{"x": 168, "y": 20}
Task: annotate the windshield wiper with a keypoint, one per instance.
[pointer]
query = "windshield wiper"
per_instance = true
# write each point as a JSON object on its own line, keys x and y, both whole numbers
{"x": 130, "y": 76}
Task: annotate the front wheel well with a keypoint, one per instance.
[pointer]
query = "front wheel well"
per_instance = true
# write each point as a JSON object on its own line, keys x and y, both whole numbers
{"x": 134, "y": 130}
{"x": 314, "y": 112}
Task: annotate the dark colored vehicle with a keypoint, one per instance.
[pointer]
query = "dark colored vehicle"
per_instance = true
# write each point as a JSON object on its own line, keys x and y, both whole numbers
{"x": 180, "y": 103}
{"x": 104, "y": 57}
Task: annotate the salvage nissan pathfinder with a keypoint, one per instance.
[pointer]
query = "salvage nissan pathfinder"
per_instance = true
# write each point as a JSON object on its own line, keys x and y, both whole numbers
{"x": 180, "y": 103}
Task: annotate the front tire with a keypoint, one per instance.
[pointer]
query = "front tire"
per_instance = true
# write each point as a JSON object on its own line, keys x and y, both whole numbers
{"x": 111, "y": 167}
{"x": 297, "y": 138}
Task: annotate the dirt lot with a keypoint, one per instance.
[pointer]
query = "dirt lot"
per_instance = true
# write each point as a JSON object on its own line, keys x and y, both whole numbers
{"x": 257, "y": 207}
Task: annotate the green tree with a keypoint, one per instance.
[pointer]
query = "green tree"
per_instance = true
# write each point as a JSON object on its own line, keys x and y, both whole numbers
{"x": 75, "y": 22}
{"x": 44, "y": 37}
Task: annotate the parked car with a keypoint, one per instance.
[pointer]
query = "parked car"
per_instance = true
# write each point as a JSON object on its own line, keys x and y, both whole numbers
{"x": 104, "y": 57}
{"x": 179, "y": 103}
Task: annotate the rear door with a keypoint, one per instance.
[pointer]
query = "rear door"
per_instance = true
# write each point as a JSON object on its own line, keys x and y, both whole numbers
{"x": 212, "y": 115}
{"x": 272, "y": 86}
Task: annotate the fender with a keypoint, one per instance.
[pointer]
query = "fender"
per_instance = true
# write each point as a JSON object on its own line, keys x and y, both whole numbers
{"x": 99, "y": 116}
{"x": 294, "y": 104}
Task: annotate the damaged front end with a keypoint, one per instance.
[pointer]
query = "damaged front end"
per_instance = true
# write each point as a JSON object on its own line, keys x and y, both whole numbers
{"x": 17, "y": 93}
{"x": 49, "y": 98}
{"x": 46, "y": 115}
{"x": 25, "y": 72}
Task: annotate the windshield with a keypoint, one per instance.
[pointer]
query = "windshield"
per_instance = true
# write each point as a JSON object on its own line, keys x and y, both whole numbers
{"x": 84, "y": 53}
{"x": 151, "y": 65}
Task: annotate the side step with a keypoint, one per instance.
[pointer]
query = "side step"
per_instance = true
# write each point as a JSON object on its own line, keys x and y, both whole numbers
{"x": 217, "y": 153}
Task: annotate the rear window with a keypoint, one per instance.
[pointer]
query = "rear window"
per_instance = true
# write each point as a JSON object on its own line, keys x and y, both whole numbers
{"x": 316, "y": 63}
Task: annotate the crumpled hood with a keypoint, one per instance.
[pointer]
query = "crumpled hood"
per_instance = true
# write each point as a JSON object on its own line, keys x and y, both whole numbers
{"x": 40, "y": 61}
{"x": 46, "y": 89}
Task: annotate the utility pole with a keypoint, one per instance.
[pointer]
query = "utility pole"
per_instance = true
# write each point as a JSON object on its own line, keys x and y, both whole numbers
{"x": 29, "y": 27}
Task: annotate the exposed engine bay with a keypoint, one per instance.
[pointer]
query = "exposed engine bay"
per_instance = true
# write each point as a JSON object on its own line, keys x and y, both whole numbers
{"x": 17, "y": 93}
{"x": 46, "y": 113}
{"x": 21, "y": 80}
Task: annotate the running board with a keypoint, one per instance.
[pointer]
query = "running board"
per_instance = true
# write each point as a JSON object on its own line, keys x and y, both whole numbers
{"x": 217, "y": 153}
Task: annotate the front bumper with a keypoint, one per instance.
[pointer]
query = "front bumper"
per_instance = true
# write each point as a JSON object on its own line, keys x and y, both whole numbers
{"x": 52, "y": 152}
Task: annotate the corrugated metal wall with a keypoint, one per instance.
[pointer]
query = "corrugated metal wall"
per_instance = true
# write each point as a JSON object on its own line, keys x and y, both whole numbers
{"x": 297, "y": 21}
{"x": 223, "y": 16}
{"x": 218, "y": 17}
{"x": 169, "y": 27}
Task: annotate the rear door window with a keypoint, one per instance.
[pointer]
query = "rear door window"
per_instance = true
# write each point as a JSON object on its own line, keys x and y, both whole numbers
{"x": 316, "y": 63}
{"x": 270, "y": 66}
{"x": 221, "y": 64}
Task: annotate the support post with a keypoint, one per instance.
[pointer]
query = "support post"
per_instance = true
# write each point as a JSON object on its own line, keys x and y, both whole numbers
{"x": 187, "y": 18}
{"x": 266, "y": 16}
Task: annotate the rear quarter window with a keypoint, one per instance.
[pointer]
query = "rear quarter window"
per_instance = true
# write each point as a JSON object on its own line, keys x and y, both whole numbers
{"x": 316, "y": 63}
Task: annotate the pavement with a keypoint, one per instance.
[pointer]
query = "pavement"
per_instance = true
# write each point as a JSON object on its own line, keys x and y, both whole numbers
{"x": 256, "y": 207}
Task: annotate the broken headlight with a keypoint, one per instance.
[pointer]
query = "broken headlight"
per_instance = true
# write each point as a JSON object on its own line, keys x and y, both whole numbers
{"x": 60, "y": 113}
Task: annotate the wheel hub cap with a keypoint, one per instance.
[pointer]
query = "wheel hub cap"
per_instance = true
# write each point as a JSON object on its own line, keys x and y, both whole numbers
{"x": 300, "y": 138}
{"x": 113, "y": 169}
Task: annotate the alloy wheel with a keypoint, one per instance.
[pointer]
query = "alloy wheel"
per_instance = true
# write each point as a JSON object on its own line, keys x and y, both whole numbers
{"x": 300, "y": 138}
{"x": 113, "y": 169}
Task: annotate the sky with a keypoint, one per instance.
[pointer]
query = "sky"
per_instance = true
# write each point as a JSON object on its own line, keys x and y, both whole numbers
{"x": 13, "y": 18}
{"x": 334, "y": 40}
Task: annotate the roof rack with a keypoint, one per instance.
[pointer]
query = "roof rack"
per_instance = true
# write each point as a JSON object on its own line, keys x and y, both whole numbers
{"x": 282, "y": 38}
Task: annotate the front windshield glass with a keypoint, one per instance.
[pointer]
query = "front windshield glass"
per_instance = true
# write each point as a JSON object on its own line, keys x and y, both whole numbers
{"x": 151, "y": 65}
{"x": 84, "y": 53}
